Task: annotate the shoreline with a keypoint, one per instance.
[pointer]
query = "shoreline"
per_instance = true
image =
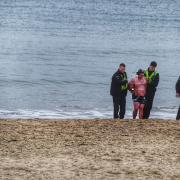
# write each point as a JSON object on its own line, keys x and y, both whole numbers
{"x": 89, "y": 149}
{"x": 157, "y": 113}
{"x": 84, "y": 119}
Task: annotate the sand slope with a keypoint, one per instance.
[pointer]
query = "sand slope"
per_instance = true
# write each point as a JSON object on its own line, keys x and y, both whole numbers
{"x": 89, "y": 149}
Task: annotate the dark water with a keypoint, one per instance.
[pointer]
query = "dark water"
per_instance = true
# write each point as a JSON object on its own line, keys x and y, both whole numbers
{"x": 57, "y": 56}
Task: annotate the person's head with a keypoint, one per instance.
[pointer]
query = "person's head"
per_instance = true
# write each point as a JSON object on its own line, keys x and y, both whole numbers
{"x": 122, "y": 67}
{"x": 153, "y": 66}
{"x": 140, "y": 73}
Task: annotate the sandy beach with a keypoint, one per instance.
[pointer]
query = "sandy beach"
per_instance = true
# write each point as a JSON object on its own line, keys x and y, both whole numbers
{"x": 89, "y": 149}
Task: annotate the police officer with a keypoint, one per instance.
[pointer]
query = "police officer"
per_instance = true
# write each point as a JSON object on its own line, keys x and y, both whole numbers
{"x": 153, "y": 80}
{"x": 119, "y": 87}
{"x": 178, "y": 95}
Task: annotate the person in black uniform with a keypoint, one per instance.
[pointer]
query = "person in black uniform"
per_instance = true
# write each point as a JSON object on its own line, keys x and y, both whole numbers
{"x": 153, "y": 80}
{"x": 178, "y": 95}
{"x": 119, "y": 88}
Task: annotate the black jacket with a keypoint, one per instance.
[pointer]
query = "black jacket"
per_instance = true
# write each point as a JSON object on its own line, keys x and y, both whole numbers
{"x": 116, "y": 84}
{"x": 178, "y": 86}
{"x": 151, "y": 88}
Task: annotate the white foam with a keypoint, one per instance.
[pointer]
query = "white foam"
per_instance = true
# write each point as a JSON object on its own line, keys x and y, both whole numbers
{"x": 162, "y": 113}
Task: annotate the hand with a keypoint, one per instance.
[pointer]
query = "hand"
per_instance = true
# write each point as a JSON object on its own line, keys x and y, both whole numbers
{"x": 177, "y": 95}
{"x": 125, "y": 81}
{"x": 148, "y": 81}
{"x": 132, "y": 91}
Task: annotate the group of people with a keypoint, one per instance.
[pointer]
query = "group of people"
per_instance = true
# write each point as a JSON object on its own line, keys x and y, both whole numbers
{"x": 143, "y": 88}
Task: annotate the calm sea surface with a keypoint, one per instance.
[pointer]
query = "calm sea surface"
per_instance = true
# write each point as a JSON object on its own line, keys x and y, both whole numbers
{"x": 57, "y": 56}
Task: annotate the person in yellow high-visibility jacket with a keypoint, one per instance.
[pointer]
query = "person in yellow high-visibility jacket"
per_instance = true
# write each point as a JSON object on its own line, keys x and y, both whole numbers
{"x": 153, "y": 80}
{"x": 118, "y": 91}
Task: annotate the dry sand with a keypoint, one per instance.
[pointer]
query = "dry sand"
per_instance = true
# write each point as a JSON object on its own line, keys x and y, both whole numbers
{"x": 89, "y": 149}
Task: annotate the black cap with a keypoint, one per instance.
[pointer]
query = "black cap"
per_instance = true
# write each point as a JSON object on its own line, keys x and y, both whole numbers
{"x": 140, "y": 71}
{"x": 154, "y": 64}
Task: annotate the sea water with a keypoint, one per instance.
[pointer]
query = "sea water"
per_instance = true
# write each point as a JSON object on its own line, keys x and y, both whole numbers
{"x": 57, "y": 57}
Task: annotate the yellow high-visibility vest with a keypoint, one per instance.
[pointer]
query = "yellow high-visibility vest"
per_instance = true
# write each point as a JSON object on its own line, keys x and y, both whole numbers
{"x": 125, "y": 86}
{"x": 151, "y": 77}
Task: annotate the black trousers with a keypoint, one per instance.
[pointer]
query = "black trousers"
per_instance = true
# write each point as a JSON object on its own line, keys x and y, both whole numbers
{"x": 119, "y": 103}
{"x": 148, "y": 105}
{"x": 178, "y": 114}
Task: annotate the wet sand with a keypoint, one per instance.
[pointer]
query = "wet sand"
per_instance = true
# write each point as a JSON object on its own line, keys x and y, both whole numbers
{"x": 89, "y": 149}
